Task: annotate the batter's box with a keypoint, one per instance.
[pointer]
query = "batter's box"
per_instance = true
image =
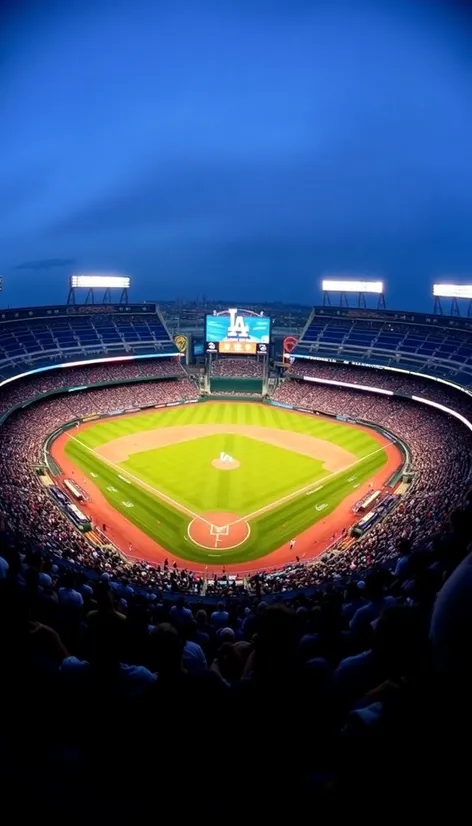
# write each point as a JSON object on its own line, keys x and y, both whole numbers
{"x": 219, "y": 530}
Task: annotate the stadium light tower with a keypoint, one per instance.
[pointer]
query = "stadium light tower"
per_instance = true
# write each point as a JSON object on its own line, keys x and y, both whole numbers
{"x": 346, "y": 286}
{"x": 456, "y": 292}
{"x": 100, "y": 282}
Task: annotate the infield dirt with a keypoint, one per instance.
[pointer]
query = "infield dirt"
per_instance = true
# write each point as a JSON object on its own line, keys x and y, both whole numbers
{"x": 333, "y": 457}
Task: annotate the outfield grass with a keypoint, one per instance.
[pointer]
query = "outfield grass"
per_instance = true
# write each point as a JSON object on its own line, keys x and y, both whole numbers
{"x": 184, "y": 473}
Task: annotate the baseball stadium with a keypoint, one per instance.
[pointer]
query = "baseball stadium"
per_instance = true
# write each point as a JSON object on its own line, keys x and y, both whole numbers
{"x": 235, "y": 411}
{"x": 233, "y": 449}
{"x": 224, "y": 514}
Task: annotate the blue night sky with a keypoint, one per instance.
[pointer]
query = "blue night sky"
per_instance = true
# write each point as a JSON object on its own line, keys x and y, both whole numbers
{"x": 238, "y": 149}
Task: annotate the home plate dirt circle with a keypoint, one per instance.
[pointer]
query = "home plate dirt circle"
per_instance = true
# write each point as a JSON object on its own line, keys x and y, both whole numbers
{"x": 218, "y": 531}
{"x": 225, "y": 465}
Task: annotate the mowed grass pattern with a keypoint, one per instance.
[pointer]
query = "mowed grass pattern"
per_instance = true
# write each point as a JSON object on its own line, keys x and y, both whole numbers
{"x": 183, "y": 472}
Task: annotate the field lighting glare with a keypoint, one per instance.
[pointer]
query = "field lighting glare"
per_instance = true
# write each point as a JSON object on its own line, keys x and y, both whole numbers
{"x": 452, "y": 290}
{"x": 338, "y": 286}
{"x": 104, "y": 282}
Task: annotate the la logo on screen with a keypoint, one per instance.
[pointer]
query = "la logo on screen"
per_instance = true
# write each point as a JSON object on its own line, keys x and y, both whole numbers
{"x": 237, "y": 328}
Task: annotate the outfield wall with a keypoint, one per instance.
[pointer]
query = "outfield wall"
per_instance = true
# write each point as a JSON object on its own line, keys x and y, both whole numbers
{"x": 48, "y": 459}
{"x": 235, "y": 385}
{"x": 233, "y": 397}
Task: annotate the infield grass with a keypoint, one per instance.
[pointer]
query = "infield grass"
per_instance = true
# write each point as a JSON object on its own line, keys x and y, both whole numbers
{"x": 183, "y": 473}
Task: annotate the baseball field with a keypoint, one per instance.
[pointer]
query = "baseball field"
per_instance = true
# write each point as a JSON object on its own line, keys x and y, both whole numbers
{"x": 219, "y": 483}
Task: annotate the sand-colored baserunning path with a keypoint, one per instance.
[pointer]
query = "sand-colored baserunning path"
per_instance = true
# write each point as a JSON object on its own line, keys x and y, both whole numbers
{"x": 333, "y": 457}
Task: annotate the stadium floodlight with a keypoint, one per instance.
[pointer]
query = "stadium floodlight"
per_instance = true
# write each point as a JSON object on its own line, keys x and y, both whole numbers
{"x": 452, "y": 291}
{"x": 334, "y": 285}
{"x": 104, "y": 282}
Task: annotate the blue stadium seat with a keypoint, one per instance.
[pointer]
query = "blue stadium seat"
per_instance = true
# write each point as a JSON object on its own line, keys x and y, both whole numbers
{"x": 48, "y": 335}
{"x": 435, "y": 345}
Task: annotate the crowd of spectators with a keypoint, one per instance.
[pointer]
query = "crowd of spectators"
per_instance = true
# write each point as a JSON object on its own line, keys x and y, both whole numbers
{"x": 441, "y": 451}
{"x": 238, "y": 367}
{"x": 102, "y": 683}
{"x": 387, "y": 380}
{"x": 108, "y": 673}
{"x": 129, "y": 396}
{"x": 22, "y": 390}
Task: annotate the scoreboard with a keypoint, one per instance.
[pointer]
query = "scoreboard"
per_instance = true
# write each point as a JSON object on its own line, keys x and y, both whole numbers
{"x": 237, "y": 332}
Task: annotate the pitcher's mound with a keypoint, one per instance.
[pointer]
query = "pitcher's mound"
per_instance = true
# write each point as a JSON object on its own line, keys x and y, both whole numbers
{"x": 225, "y": 465}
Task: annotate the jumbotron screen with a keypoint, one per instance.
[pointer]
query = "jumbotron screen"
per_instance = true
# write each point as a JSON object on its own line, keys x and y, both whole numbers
{"x": 237, "y": 332}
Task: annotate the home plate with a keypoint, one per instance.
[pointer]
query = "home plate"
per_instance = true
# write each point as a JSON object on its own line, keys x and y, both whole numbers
{"x": 218, "y": 530}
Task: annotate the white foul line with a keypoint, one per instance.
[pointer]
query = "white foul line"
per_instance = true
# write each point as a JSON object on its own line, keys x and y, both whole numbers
{"x": 252, "y": 515}
{"x": 325, "y": 479}
{"x": 141, "y": 483}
